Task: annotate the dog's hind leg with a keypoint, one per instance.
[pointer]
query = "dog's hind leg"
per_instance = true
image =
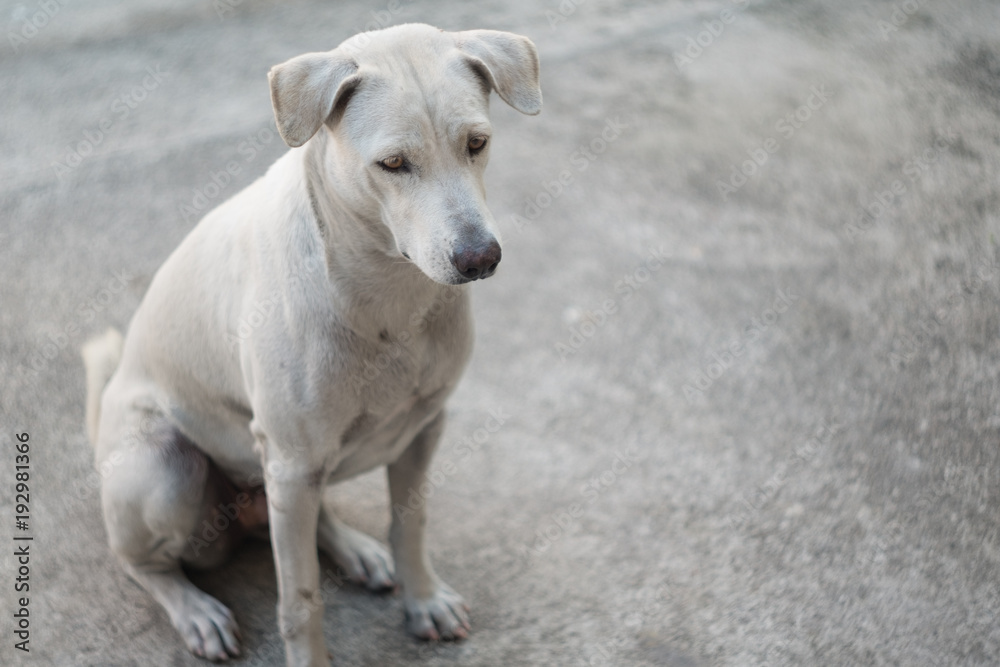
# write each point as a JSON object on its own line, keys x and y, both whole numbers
{"x": 363, "y": 558}
{"x": 157, "y": 493}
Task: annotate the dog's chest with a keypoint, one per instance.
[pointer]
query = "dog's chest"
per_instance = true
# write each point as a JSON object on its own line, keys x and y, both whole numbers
{"x": 373, "y": 440}
{"x": 398, "y": 391}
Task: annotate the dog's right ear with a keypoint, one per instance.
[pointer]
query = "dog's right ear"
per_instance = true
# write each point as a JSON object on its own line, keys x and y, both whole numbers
{"x": 306, "y": 89}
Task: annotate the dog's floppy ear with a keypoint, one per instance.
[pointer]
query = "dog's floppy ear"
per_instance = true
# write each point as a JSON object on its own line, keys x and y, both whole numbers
{"x": 509, "y": 62}
{"x": 305, "y": 90}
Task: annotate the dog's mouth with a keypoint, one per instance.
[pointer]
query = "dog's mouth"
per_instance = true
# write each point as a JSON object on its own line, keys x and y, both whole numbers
{"x": 464, "y": 280}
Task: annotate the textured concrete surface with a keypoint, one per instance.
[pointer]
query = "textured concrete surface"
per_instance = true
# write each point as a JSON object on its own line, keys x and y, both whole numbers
{"x": 745, "y": 425}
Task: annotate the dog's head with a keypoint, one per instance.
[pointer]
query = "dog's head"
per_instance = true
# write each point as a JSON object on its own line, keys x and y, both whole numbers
{"x": 406, "y": 110}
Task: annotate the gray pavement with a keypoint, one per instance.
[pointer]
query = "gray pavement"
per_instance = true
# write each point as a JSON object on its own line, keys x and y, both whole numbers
{"x": 745, "y": 352}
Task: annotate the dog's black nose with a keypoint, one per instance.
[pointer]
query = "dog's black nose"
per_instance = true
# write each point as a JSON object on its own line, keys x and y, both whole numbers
{"x": 476, "y": 262}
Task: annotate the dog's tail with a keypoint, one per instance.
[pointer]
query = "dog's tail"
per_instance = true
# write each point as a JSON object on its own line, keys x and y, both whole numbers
{"x": 101, "y": 356}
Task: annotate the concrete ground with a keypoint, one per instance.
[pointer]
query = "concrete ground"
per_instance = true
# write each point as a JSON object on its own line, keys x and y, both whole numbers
{"x": 748, "y": 418}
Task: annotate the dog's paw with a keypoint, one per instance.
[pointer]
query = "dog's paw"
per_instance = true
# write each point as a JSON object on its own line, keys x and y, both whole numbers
{"x": 209, "y": 629}
{"x": 363, "y": 559}
{"x": 444, "y": 615}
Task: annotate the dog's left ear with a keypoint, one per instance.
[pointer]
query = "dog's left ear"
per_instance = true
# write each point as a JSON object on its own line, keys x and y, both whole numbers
{"x": 509, "y": 62}
{"x": 306, "y": 89}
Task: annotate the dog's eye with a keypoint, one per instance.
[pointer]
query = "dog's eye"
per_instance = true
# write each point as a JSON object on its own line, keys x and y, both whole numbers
{"x": 477, "y": 144}
{"x": 392, "y": 163}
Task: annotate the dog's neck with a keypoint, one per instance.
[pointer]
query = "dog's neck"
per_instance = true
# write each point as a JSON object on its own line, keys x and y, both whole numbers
{"x": 381, "y": 291}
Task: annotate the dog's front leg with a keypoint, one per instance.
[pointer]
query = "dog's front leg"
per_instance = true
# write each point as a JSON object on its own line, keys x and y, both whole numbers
{"x": 293, "y": 501}
{"x": 433, "y": 610}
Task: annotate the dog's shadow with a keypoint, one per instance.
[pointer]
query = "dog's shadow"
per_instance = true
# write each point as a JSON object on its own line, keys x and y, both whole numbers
{"x": 361, "y": 627}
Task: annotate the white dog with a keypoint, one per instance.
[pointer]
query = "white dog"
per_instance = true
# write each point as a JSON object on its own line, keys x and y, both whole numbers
{"x": 310, "y": 329}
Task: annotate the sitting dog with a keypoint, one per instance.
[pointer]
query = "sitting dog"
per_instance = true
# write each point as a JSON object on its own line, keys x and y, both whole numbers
{"x": 308, "y": 330}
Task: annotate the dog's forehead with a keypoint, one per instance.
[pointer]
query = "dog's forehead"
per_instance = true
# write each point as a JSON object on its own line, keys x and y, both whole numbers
{"x": 417, "y": 59}
{"x": 413, "y": 75}
{"x": 415, "y": 38}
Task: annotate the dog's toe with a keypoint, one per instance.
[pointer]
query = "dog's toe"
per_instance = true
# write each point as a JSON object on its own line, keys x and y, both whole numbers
{"x": 379, "y": 573}
{"x": 363, "y": 559}
{"x": 444, "y": 615}
{"x": 209, "y": 630}
{"x": 368, "y": 567}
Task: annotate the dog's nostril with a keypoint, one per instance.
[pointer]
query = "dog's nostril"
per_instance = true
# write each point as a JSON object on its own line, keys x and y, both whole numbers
{"x": 477, "y": 262}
